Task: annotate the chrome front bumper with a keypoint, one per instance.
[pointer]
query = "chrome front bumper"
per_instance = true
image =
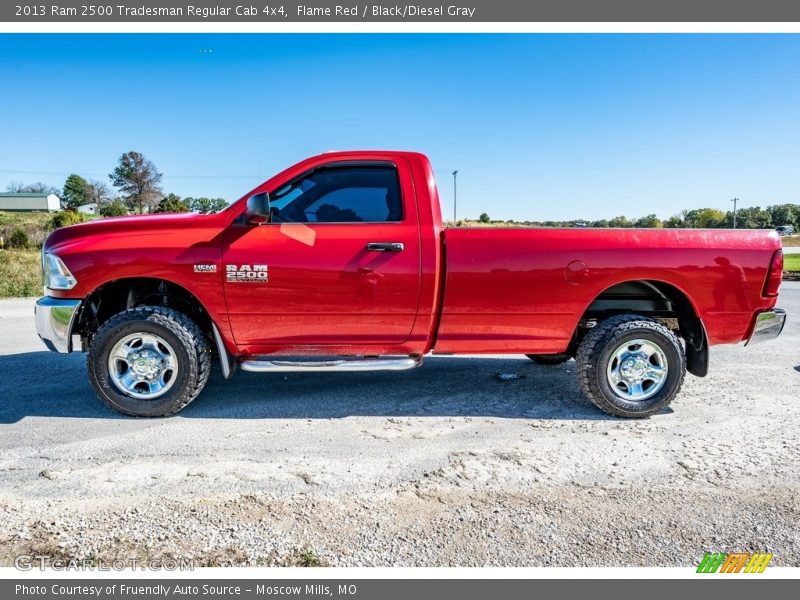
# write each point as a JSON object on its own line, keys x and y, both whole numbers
{"x": 768, "y": 326}
{"x": 54, "y": 318}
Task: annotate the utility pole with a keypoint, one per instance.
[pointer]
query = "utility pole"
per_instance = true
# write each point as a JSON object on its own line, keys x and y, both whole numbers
{"x": 735, "y": 200}
{"x": 455, "y": 218}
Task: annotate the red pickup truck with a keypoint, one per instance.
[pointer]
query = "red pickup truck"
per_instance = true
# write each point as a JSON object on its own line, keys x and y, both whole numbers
{"x": 341, "y": 263}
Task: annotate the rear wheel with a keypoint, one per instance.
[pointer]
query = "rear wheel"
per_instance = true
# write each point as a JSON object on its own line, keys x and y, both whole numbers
{"x": 149, "y": 361}
{"x": 630, "y": 366}
{"x": 549, "y": 359}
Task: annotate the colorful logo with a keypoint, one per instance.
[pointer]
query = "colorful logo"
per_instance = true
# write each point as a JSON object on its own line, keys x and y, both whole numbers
{"x": 735, "y": 562}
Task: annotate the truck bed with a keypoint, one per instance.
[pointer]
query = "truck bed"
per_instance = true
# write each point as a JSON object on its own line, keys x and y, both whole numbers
{"x": 522, "y": 289}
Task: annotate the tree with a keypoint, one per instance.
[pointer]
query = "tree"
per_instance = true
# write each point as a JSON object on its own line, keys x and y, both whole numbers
{"x": 753, "y": 217}
{"x": 650, "y": 221}
{"x": 172, "y": 204}
{"x": 115, "y": 208}
{"x": 98, "y": 193}
{"x": 18, "y": 239}
{"x": 31, "y": 188}
{"x": 621, "y": 221}
{"x": 675, "y": 222}
{"x": 74, "y": 194}
{"x": 206, "y": 205}
{"x": 138, "y": 180}
{"x": 484, "y": 218}
{"x": 64, "y": 218}
{"x": 705, "y": 218}
{"x": 784, "y": 214}
{"x": 600, "y": 223}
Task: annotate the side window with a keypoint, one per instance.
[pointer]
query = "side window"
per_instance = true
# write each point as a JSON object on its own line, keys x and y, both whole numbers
{"x": 340, "y": 194}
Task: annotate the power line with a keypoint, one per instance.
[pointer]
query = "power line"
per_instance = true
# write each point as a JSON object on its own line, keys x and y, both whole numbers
{"x": 204, "y": 176}
{"x": 65, "y": 173}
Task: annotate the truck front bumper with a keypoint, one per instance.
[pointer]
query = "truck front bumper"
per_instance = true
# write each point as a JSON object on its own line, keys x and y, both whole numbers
{"x": 54, "y": 319}
{"x": 768, "y": 326}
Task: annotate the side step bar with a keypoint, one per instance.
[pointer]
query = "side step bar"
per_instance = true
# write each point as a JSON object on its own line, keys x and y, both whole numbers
{"x": 344, "y": 364}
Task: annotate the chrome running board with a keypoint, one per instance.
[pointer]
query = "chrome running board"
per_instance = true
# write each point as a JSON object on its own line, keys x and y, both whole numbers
{"x": 338, "y": 364}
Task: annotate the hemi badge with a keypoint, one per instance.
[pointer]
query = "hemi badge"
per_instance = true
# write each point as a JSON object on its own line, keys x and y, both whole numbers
{"x": 205, "y": 268}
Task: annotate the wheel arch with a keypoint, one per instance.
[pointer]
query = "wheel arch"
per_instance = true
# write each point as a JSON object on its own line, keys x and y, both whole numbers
{"x": 117, "y": 295}
{"x": 659, "y": 299}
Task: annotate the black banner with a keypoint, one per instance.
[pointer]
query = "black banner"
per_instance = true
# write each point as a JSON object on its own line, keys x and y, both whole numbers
{"x": 137, "y": 11}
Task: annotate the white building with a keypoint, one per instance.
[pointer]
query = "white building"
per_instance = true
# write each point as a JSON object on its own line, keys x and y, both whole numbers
{"x": 29, "y": 202}
{"x": 88, "y": 209}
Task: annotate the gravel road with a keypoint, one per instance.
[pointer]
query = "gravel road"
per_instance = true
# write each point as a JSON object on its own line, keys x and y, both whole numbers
{"x": 444, "y": 465}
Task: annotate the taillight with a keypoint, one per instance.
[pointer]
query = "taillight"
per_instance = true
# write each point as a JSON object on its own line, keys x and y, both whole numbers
{"x": 775, "y": 274}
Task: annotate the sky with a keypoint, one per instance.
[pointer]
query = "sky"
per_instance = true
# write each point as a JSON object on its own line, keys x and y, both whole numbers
{"x": 539, "y": 126}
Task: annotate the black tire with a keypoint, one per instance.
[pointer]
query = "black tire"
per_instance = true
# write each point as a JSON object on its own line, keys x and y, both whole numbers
{"x": 549, "y": 359}
{"x": 597, "y": 348}
{"x": 191, "y": 347}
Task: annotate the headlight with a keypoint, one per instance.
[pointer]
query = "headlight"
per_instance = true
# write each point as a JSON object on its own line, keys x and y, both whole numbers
{"x": 56, "y": 273}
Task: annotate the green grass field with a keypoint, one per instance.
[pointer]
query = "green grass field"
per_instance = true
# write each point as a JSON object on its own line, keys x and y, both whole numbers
{"x": 35, "y": 225}
{"x": 20, "y": 273}
{"x": 20, "y": 269}
{"x": 791, "y": 262}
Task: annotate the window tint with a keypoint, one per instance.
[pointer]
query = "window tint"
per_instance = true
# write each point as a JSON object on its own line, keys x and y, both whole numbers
{"x": 351, "y": 194}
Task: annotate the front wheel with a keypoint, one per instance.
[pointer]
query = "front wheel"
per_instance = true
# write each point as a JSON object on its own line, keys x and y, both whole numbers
{"x": 630, "y": 366}
{"x": 149, "y": 361}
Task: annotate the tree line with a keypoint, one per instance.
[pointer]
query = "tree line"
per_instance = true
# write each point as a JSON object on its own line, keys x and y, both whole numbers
{"x": 137, "y": 183}
{"x": 753, "y": 217}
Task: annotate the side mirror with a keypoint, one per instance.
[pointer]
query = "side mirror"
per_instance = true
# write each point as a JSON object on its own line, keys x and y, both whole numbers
{"x": 257, "y": 212}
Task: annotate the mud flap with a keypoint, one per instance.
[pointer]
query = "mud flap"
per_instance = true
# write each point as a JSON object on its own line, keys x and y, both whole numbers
{"x": 697, "y": 356}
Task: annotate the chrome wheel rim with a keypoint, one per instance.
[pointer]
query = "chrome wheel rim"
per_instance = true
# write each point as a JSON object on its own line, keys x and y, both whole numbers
{"x": 143, "y": 366}
{"x": 637, "y": 370}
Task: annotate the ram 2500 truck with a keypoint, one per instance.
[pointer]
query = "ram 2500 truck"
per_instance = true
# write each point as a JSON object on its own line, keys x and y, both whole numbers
{"x": 341, "y": 263}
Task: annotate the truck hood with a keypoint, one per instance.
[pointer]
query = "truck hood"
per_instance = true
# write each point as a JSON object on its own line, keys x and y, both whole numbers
{"x": 127, "y": 226}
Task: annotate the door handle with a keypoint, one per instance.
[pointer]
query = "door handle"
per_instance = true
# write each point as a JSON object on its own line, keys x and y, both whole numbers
{"x": 385, "y": 246}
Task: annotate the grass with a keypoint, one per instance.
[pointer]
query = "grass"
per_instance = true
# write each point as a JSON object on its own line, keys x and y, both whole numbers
{"x": 34, "y": 224}
{"x": 306, "y": 558}
{"x": 791, "y": 262}
{"x": 21, "y": 269}
{"x": 791, "y": 242}
{"x": 20, "y": 273}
